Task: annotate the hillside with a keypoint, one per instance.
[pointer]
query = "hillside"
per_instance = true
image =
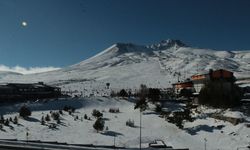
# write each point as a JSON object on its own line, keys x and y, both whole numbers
{"x": 127, "y": 65}
{"x": 219, "y": 134}
{"x": 8, "y": 73}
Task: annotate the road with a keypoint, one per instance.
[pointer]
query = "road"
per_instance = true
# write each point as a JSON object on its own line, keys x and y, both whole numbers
{"x": 39, "y": 145}
{"x": 22, "y": 145}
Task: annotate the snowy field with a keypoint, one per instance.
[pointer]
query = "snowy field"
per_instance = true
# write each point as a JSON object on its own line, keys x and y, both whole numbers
{"x": 127, "y": 66}
{"x": 81, "y": 131}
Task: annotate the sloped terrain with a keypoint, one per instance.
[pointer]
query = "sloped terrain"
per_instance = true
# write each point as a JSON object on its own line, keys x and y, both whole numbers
{"x": 219, "y": 134}
{"x": 129, "y": 65}
{"x": 8, "y": 73}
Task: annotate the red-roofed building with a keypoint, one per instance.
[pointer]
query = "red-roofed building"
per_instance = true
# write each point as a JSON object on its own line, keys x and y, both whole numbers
{"x": 199, "y": 80}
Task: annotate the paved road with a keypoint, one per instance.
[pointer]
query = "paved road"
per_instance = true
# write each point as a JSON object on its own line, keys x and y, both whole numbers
{"x": 36, "y": 145}
{"x": 21, "y": 145}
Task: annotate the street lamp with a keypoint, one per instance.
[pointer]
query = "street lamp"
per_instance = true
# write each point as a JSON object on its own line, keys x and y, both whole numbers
{"x": 205, "y": 143}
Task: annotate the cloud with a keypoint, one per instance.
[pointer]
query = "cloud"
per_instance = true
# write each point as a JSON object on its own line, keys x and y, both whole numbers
{"x": 29, "y": 70}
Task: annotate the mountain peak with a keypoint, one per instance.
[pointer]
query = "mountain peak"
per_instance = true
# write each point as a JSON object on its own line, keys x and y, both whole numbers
{"x": 129, "y": 47}
{"x": 125, "y": 45}
{"x": 165, "y": 44}
{"x": 172, "y": 42}
{"x": 120, "y": 48}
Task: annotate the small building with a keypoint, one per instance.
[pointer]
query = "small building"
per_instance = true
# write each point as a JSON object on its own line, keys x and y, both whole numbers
{"x": 158, "y": 144}
{"x": 199, "y": 80}
{"x": 182, "y": 85}
{"x": 27, "y": 91}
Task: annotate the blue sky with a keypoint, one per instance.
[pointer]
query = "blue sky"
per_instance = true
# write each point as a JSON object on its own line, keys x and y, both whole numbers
{"x": 64, "y": 32}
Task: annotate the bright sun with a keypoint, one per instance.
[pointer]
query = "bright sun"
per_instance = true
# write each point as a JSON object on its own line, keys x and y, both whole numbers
{"x": 24, "y": 24}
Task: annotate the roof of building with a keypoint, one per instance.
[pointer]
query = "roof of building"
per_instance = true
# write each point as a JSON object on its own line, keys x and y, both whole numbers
{"x": 183, "y": 82}
{"x": 204, "y": 72}
{"x": 26, "y": 85}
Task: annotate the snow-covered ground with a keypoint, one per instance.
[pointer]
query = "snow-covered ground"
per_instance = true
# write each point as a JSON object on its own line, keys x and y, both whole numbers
{"x": 129, "y": 65}
{"x": 153, "y": 127}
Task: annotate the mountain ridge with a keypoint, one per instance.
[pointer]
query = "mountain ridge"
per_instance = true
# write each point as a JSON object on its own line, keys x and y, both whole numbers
{"x": 127, "y": 65}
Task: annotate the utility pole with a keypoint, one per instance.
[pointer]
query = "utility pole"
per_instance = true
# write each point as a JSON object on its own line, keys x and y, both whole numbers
{"x": 205, "y": 143}
{"x": 140, "y": 128}
{"x": 27, "y": 135}
{"x": 178, "y": 74}
{"x": 114, "y": 141}
{"x": 197, "y": 69}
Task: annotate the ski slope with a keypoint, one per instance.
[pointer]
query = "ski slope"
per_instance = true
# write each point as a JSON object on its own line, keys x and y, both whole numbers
{"x": 153, "y": 127}
{"x": 126, "y": 65}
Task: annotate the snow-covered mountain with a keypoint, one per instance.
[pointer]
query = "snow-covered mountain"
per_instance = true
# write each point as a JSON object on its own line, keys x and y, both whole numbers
{"x": 127, "y": 65}
{"x": 8, "y": 73}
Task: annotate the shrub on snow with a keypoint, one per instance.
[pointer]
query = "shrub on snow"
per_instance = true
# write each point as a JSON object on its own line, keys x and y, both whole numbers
{"x": 99, "y": 124}
{"x": 130, "y": 123}
{"x": 97, "y": 113}
{"x": 24, "y": 111}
